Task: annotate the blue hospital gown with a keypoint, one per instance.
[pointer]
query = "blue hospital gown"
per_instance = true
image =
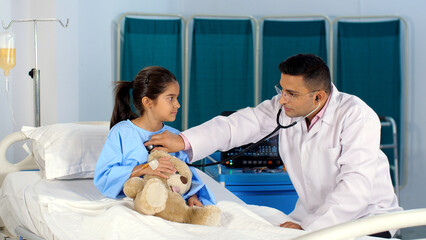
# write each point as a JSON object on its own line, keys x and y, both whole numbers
{"x": 123, "y": 150}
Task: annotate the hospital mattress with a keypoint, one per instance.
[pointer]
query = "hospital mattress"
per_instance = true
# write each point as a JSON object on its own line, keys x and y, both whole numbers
{"x": 21, "y": 193}
{"x": 56, "y": 209}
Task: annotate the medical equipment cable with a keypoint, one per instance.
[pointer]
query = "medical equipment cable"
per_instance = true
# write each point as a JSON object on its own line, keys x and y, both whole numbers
{"x": 12, "y": 113}
{"x": 258, "y": 142}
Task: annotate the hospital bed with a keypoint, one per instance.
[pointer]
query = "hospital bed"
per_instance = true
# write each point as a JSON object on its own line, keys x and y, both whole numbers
{"x": 59, "y": 201}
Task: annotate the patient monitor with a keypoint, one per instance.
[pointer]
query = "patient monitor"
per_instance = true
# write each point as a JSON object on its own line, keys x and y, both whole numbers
{"x": 263, "y": 155}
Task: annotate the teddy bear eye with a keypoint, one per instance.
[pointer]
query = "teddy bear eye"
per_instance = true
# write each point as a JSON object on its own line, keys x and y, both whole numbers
{"x": 177, "y": 172}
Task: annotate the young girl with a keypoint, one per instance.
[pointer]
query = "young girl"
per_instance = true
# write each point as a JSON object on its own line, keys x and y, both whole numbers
{"x": 155, "y": 93}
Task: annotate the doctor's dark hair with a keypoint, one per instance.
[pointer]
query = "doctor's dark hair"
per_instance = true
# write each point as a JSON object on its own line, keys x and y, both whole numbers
{"x": 315, "y": 72}
{"x": 149, "y": 82}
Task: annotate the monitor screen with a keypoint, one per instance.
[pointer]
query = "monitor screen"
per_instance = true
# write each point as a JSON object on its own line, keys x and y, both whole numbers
{"x": 263, "y": 155}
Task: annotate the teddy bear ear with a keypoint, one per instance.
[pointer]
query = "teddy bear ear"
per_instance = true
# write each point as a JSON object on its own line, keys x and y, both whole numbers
{"x": 182, "y": 168}
{"x": 158, "y": 154}
{"x": 186, "y": 172}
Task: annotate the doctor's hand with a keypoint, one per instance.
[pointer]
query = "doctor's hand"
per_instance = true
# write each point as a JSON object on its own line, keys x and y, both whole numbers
{"x": 170, "y": 142}
{"x": 291, "y": 225}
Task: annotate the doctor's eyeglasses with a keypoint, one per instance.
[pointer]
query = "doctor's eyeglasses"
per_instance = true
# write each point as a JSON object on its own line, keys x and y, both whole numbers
{"x": 289, "y": 96}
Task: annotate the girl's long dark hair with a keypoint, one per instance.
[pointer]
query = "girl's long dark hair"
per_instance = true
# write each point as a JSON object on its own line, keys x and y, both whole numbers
{"x": 149, "y": 82}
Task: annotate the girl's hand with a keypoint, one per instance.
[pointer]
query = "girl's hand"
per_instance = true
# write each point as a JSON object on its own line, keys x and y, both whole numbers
{"x": 291, "y": 225}
{"x": 193, "y": 200}
{"x": 164, "y": 167}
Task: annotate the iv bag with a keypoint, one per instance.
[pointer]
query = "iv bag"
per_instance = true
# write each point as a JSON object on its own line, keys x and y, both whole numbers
{"x": 7, "y": 52}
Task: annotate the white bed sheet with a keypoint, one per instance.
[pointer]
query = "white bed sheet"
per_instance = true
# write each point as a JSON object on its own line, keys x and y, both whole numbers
{"x": 20, "y": 199}
{"x": 56, "y": 210}
{"x": 17, "y": 202}
{"x": 74, "y": 209}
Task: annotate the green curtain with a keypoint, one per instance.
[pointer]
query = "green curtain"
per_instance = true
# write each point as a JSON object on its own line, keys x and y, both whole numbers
{"x": 152, "y": 42}
{"x": 222, "y": 74}
{"x": 282, "y": 39}
{"x": 369, "y": 66}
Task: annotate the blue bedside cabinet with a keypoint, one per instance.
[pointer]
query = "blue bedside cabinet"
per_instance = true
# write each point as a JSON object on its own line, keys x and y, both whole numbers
{"x": 263, "y": 188}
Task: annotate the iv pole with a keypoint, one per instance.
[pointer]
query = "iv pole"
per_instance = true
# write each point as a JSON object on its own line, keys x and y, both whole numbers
{"x": 35, "y": 72}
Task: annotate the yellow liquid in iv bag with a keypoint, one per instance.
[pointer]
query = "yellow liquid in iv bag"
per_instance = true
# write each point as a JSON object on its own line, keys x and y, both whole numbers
{"x": 7, "y": 59}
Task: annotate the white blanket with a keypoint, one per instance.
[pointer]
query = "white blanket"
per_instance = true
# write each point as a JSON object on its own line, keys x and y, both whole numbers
{"x": 74, "y": 209}
{"x": 116, "y": 219}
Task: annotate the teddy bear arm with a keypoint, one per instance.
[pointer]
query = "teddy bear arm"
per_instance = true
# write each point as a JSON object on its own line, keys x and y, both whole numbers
{"x": 153, "y": 197}
{"x": 133, "y": 186}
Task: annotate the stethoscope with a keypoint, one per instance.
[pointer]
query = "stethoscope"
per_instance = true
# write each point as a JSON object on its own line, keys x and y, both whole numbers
{"x": 279, "y": 126}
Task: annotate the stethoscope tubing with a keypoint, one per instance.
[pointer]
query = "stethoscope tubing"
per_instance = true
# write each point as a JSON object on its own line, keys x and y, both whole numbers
{"x": 279, "y": 126}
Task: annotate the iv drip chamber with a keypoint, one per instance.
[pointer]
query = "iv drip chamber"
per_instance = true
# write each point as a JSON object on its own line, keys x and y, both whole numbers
{"x": 7, "y": 53}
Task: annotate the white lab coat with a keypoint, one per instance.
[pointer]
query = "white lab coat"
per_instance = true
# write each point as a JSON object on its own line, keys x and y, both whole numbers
{"x": 337, "y": 168}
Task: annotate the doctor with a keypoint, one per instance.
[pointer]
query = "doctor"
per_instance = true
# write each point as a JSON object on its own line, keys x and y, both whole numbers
{"x": 332, "y": 156}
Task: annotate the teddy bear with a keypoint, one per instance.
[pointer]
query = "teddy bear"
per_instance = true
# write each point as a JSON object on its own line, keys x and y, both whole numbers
{"x": 153, "y": 195}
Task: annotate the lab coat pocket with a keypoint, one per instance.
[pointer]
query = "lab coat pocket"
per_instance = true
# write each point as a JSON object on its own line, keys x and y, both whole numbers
{"x": 331, "y": 157}
{"x": 326, "y": 168}
{"x": 333, "y": 154}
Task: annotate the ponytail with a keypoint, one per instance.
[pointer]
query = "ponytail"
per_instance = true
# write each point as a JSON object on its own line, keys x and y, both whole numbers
{"x": 122, "y": 103}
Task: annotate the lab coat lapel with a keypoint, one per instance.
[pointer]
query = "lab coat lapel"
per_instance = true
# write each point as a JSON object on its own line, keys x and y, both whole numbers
{"x": 311, "y": 141}
{"x": 314, "y": 129}
{"x": 329, "y": 116}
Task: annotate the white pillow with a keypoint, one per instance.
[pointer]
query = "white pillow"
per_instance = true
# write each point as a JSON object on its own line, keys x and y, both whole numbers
{"x": 67, "y": 150}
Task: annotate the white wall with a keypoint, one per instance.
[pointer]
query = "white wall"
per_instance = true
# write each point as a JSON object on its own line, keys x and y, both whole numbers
{"x": 77, "y": 63}
{"x": 88, "y": 70}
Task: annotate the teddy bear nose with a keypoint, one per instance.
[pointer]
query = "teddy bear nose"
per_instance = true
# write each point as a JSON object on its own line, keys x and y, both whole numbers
{"x": 183, "y": 179}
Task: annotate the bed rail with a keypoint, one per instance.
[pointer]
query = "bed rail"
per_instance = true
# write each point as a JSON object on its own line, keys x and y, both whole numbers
{"x": 5, "y": 166}
{"x": 370, "y": 225}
